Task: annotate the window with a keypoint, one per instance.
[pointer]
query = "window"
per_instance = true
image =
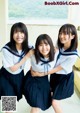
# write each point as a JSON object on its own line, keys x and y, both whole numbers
{"x": 36, "y": 11}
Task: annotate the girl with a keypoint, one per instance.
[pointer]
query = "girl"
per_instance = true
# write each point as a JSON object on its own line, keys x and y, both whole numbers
{"x": 11, "y": 74}
{"x": 37, "y": 89}
{"x": 64, "y": 76}
{"x": 62, "y": 79}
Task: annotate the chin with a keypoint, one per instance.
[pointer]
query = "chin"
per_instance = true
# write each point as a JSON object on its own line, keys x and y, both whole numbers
{"x": 20, "y": 42}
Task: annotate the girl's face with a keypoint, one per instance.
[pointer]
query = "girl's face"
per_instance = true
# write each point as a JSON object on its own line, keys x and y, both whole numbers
{"x": 18, "y": 37}
{"x": 65, "y": 38}
{"x": 44, "y": 48}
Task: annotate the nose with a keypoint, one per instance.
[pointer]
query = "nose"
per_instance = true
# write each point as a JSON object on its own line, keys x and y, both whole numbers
{"x": 44, "y": 46}
{"x": 62, "y": 35}
{"x": 19, "y": 33}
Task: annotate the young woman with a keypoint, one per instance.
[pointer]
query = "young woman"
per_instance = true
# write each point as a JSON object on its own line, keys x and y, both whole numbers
{"x": 11, "y": 73}
{"x": 37, "y": 89}
{"x": 62, "y": 79}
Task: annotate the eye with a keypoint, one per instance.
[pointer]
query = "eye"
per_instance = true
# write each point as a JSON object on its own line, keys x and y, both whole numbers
{"x": 40, "y": 44}
{"x": 46, "y": 44}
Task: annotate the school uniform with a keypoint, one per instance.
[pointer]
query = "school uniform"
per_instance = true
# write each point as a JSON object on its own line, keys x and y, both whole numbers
{"x": 11, "y": 82}
{"x": 37, "y": 89}
{"x": 62, "y": 82}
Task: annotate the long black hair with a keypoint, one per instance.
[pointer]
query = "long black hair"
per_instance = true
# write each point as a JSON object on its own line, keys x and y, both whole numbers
{"x": 69, "y": 29}
{"x": 46, "y": 39}
{"x": 21, "y": 27}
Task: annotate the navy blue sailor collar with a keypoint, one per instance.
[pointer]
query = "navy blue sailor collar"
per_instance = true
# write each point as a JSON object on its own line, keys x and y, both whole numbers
{"x": 13, "y": 52}
{"x": 68, "y": 52}
{"x": 45, "y": 61}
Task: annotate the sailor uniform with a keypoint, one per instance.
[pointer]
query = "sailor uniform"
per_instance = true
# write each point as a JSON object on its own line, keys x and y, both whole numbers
{"x": 62, "y": 82}
{"x": 11, "y": 83}
{"x": 37, "y": 89}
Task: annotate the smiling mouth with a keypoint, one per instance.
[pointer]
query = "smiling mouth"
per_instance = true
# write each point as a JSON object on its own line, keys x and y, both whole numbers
{"x": 45, "y": 51}
{"x": 19, "y": 38}
{"x": 62, "y": 40}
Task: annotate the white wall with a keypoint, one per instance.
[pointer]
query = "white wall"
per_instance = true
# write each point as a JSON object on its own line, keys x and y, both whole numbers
{"x": 3, "y": 21}
{"x": 74, "y": 13}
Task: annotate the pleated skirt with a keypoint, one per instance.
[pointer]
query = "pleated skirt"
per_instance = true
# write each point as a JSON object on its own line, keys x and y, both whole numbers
{"x": 62, "y": 86}
{"x": 37, "y": 91}
{"x": 11, "y": 85}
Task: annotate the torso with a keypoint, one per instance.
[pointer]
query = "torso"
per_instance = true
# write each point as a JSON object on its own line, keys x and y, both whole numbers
{"x": 42, "y": 66}
{"x": 10, "y": 58}
{"x": 66, "y": 60}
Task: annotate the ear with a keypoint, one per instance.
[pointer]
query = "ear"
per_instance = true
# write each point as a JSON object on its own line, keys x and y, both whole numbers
{"x": 72, "y": 37}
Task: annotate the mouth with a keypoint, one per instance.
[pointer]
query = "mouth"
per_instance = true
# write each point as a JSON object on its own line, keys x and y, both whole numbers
{"x": 62, "y": 39}
{"x": 45, "y": 52}
{"x": 19, "y": 38}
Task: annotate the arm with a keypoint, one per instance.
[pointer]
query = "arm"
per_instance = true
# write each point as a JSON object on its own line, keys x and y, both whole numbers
{"x": 66, "y": 65}
{"x": 14, "y": 67}
{"x": 56, "y": 69}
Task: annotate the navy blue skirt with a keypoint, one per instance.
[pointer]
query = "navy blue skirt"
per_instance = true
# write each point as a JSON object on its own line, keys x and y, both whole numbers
{"x": 11, "y": 85}
{"x": 62, "y": 86}
{"x": 37, "y": 91}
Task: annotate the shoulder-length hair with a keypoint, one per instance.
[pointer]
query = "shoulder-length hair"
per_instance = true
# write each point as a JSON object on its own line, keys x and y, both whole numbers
{"x": 68, "y": 29}
{"x": 21, "y": 27}
{"x": 45, "y": 39}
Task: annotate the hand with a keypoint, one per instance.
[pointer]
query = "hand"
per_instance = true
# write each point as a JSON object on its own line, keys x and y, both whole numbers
{"x": 36, "y": 74}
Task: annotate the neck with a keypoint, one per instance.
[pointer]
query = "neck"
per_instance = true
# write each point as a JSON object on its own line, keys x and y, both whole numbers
{"x": 47, "y": 56}
{"x": 67, "y": 45}
{"x": 19, "y": 46}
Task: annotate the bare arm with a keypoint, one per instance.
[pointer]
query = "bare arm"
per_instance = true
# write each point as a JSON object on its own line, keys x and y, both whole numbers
{"x": 56, "y": 69}
{"x": 17, "y": 65}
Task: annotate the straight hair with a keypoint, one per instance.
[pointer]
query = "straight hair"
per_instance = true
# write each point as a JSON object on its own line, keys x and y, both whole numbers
{"x": 45, "y": 39}
{"x": 68, "y": 29}
{"x": 19, "y": 27}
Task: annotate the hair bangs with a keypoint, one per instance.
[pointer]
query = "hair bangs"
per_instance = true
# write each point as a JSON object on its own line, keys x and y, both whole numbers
{"x": 65, "y": 30}
{"x": 19, "y": 29}
{"x": 43, "y": 41}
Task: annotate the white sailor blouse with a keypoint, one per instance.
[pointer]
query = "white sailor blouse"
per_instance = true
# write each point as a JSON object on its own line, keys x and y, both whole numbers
{"x": 10, "y": 58}
{"x": 44, "y": 64}
{"x": 66, "y": 59}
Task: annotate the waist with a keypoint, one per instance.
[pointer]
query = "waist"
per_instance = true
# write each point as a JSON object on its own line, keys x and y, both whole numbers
{"x": 6, "y": 70}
